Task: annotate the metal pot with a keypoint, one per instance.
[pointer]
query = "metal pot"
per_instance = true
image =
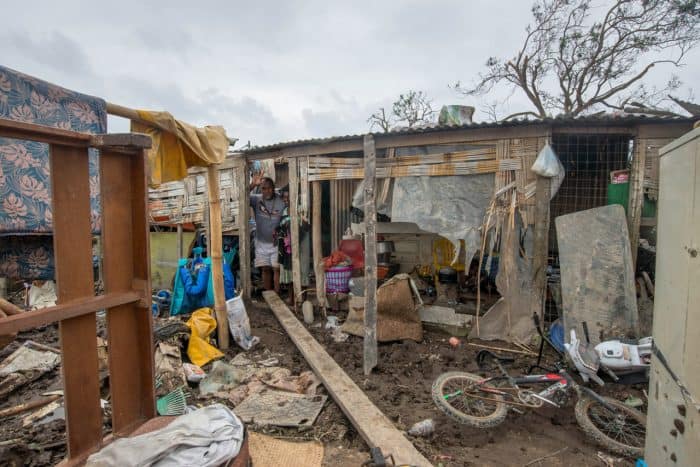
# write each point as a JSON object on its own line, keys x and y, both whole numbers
{"x": 447, "y": 275}
{"x": 385, "y": 246}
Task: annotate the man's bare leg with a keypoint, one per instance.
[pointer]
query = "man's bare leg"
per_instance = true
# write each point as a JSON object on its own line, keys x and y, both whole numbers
{"x": 267, "y": 277}
{"x": 276, "y": 279}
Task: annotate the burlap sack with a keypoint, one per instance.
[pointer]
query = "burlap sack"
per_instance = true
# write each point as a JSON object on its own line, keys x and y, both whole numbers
{"x": 397, "y": 313}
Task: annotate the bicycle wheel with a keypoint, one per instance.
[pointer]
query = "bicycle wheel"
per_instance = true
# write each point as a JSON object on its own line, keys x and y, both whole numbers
{"x": 620, "y": 429}
{"x": 451, "y": 394}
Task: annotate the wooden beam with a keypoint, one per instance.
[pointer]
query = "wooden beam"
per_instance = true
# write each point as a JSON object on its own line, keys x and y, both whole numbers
{"x": 317, "y": 247}
{"x": 43, "y": 134}
{"x": 66, "y": 310}
{"x": 370, "y": 187}
{"x": 635, "y": 202}
{"x": 540, "y": 245}
{"x": 383, "y": 141}
{"x": 374, "y": 427}
{"x": 215, "y": 252}
{"x": 243, "y": 225}
{"x": 72, "y": 239}
{"x": 124, "y": 194}
{"x": 294, "y": 225}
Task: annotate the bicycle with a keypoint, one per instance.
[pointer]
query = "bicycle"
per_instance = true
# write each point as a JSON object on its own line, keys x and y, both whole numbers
{"x": 481, "y": 402}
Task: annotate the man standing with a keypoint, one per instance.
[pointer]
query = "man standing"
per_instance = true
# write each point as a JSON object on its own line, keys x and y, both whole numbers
{"x": 268, "y": 209}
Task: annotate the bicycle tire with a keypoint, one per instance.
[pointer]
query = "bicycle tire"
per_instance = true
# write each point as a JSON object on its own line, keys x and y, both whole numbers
{"x": 494, "y": 414}
{"x": 631, "y": 432}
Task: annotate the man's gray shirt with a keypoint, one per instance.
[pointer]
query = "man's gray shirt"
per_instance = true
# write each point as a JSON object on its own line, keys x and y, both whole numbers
{"x": 268, "y": 213}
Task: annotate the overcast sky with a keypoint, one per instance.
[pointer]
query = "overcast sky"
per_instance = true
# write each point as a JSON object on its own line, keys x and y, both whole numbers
{"x": 269, "y": 71}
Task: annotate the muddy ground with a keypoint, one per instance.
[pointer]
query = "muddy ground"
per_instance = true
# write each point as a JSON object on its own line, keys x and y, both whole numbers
{"x": 400, "y": 387}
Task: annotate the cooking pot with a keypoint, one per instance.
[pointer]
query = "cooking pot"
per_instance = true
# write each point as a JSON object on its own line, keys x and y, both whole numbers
{"x": 385, "y": 246}
{"x": 447, "y": 275}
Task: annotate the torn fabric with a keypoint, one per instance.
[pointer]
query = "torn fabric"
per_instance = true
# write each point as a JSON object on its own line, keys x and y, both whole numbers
{"x": 178, "y": 145}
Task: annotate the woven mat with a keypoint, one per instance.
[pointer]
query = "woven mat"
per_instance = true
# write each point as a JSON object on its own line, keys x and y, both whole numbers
{"x": 266, "y": 451}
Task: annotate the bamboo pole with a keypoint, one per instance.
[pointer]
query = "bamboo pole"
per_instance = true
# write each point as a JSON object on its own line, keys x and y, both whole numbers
{"x": 215, "y": 254}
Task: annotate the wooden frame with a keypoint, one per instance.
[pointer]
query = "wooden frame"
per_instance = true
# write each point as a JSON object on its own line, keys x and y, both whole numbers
{"x": 126, "y": 279}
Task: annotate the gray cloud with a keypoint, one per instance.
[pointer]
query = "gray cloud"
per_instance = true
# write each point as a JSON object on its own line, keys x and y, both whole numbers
{"x": 54, "y": 50}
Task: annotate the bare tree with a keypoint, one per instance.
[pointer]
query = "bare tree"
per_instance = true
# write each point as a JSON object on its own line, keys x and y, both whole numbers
{"x": 573, "y": 63}
{"x": 413, "y": 108}
{"x": 410, "y": 109}
{"x": 380, "y": 119}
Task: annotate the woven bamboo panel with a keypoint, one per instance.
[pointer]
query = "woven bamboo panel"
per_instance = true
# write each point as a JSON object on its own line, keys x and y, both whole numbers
{"x": 185, "y": 201}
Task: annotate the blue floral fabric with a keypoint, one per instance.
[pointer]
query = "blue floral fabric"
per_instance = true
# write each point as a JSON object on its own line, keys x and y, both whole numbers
{"x": 25, "y": 186}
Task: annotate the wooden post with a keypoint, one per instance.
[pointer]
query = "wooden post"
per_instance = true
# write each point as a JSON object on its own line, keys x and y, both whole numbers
{"x": 370, "y": 184}
{"x": 215, "y": 254}
{"x": 243, "y": 225}
{"x": 636, "y": 196}
{"x": 179, "y": 241}
{"x": 540, "y": 244}
{"x": 317, "y": 246}
{"x": 294, "y": 223}
{"x": 72, "y": 242}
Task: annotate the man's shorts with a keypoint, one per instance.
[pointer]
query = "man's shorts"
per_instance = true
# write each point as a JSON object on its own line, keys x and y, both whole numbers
{"x": 265, "y": 254}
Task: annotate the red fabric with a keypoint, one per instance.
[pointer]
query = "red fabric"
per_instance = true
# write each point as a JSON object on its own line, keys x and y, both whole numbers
{"x": 355, "y": 250}
{"x": 335, "y": 258}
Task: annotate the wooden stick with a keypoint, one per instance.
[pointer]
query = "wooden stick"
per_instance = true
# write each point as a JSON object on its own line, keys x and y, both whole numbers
{"x": 36, "y": 345}
{"x": 215, "y": 254}
{"x": 501, "y": 349}
{"x": 539, "y": 459}
{"x": 648, "y": 282}
{"x": 27, "y": 406}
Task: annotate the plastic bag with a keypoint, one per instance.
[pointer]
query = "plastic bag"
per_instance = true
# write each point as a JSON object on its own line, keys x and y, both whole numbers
{"x": 200, "y": 351}
{"x": 239, "y": 324}
{"x": 548, "y": 165}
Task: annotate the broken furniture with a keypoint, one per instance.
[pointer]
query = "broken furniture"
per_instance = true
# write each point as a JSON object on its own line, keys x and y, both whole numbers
{"x": 126, "y": 280}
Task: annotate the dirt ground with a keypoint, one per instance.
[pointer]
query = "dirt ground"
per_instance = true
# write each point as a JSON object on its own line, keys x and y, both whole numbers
{"x": 400, "y": 387}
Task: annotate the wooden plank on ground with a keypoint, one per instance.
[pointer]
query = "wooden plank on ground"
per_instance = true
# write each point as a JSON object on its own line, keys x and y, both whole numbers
{"x": 374, "y": 427}
{"x": 73, "y": 255}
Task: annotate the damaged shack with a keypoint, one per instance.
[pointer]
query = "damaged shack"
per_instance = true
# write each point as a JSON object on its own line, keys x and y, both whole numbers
{"x": 454, "y": 204}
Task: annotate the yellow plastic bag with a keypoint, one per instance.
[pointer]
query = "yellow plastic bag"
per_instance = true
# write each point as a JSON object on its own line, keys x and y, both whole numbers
{"x": 201, "y": 325}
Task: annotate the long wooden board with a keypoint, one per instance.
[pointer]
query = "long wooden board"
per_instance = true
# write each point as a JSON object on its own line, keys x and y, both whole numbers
{"x": 376, "y": 429}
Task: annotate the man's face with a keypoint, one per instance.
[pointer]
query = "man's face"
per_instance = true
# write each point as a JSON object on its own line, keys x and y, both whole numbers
{"x": 267, "y": 190}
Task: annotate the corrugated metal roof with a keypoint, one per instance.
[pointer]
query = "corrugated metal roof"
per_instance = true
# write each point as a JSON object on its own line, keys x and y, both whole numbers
{"x": 589, "y": 120}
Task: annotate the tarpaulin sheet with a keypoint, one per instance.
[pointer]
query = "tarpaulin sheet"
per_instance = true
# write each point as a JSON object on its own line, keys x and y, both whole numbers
{"x": 178, "y": 145}
{"x": 25, "y": 186}
{"x": 450, "y": 206}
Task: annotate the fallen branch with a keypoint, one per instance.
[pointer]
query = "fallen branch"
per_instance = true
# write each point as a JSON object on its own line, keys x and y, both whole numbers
{"x": 539, "y": 459}
{"x": 38, "y": 346}
{"x": 501, "y": 349}
{"x": 28, "y": 406}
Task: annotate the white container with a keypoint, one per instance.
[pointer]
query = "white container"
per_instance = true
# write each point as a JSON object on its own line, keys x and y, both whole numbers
{"x": 307, "y": 309}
